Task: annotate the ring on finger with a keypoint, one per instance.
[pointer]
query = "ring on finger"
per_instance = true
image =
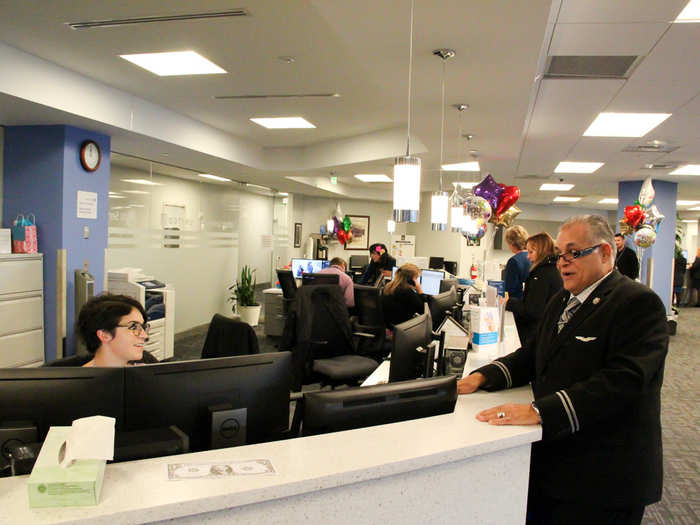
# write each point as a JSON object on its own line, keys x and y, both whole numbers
{"x": 501, "y": 415}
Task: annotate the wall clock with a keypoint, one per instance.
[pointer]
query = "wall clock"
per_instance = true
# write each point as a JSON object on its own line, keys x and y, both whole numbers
{"x": 90, "y": 155}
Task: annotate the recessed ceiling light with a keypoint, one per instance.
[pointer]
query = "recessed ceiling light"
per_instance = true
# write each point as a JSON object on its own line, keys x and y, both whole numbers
{"x": 560, "y": 198}
{"x": 137, "y": 192}
{"x": 462, "y": 166}
{"x": 144, "y": 182}
{"x": 213, "y": 177}
{"x": 688, "y": 169}
{"x": 624, "y": 124}
{"x": 136, "y": 206}
{"x": 283, "y": 122}
{"x": 117, "y": 197}
{"x": 687, "y": 203}
{"x": 690, "y": 220}
{"x": 465, "y": 185}
{"x": 577, "y": 167}
{"x": 174, "y": 63}
{"x": 556, "y": 187}
{"x": 608, "y": 201}
{"x": 373, "y": 177}
{"x": 257, "y": 186}
{"x": 697, "y": 208}
{"x": 690, "y": 14}
{"x": 282, "y": 194}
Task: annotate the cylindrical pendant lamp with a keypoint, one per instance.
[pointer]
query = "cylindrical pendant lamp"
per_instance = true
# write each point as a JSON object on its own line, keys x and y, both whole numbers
{"x": 406, "y": 189}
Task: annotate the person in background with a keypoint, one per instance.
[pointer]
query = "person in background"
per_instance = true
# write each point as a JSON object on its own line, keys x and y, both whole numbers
{"x": 680, "y": 264}
{"x": 626, "y": 261}
{"x": 695, "y": 279}
{"x": 596, "y": 367}
{"x": 381, "y": 263}
{"x": 337, "y": 267}
{"x": 542, "y": 283}
{"x": 403, "y": 297}
{"x": 518, "y": 266}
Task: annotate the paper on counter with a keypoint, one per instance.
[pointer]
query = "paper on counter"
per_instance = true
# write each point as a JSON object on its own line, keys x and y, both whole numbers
{"x": 223, "y": 469}
{"x": 89, "y": 438}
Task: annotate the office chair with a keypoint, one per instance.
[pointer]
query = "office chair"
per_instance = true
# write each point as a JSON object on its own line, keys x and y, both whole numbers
{"x": 370, "y": 319}
{"x": 325, "y": 347}
{"x": 319, "y": 278}
{"x": 228, "y": 337}
{"x": 436, "y": 263}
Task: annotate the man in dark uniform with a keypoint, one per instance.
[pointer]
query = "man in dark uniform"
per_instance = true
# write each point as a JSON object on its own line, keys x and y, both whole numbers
{"x": 626, "y": 260}
{"x": 596, "y": 368}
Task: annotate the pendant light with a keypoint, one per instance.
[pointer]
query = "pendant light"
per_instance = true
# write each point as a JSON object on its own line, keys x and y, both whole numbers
{"x": 407, "y": 168}
{"x": 457, "y": 214}
{"x": 439, "y": 202}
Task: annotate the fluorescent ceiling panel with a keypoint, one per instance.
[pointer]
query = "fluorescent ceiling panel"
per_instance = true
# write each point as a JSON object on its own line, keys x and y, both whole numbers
{"x": 176, "y": 63}
{"x": 117, "y": 197}
{"x": 697, "y": 208}
{"x": 373, "y": 177}
{"x": 559, "y": 198}
{"x": 608, "y": 201}
{"x": 556, "y": 187}
{"x": 688, "y": 169}
{"x": 144, "y": 182}
{"x": 283, "y": 122}
{"x": 690, "y": 14}
{"x": 214, "y": 177}
{"x": 465, "y": 185}
{"x": 690, "y": 220}
{"x": 257, "y": 186}
{"x": 137, "y": 192}
{"x": 687, "y": 203}
{"x": 624, "y": 124}
{"x": 577, "y": 167}
{"x": 462, "y": 166}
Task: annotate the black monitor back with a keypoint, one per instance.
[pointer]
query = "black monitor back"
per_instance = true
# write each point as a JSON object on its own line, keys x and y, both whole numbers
{"x": 180, "y": 393}
{"x": 378, "y": 405}
{"x": 447, "y": 284}
{"x": 358, "y": 261}
{"x": 436, "y": 263}
{"x": 440, "y": 304}
{"x": 320, "y": 278}
{"x": 287, "y": 283}
{"x": 451, "y": 267}
{"x": 56, "y": 396}
{"x": 406, "y": 362}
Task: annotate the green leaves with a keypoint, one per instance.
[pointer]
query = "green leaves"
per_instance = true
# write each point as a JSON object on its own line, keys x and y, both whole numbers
{"x": 243, "y": 292}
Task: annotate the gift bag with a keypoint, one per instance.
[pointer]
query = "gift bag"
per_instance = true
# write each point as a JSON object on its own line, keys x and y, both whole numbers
{"x": 24, "y": 234}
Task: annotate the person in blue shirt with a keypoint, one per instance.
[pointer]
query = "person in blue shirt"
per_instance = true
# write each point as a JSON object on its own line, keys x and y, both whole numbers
{"x": 518, "y": 266}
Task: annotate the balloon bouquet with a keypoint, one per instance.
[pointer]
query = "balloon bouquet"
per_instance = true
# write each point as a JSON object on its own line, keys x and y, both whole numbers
{"x": 642, "y": 219}
{"x": 490, "y": 202}
{"x": 342, "y": 228}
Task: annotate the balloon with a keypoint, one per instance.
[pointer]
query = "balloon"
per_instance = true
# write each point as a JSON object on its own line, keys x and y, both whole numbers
{"x": 477, "y": 208}
{"x": 508, "y": 216}
{"x": 625, "y": 229}
{"x": 336, "y": 225}
{"x": 342, "y": 237}
{"x": 489, "y": 190}
{"x": 509, "y": 197}
{"x": 652, "y": 217}
{"x": 347, "y": 223}
{"x": 644, "y": 236}
{"x": 349, "y": 235}
{"x": 476, "y": 233}
{"x": 647, "y": 193}
{"x": 634, "y": 215}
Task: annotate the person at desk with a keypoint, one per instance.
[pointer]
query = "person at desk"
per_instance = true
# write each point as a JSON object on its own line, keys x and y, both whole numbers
{"x": 381, "y": 264}
{"x": 518, "y": 266}
{"x": 337, "y": 267}
{"x": 541, "y": 284}
{"x": 596, "y": 367}
{"x": 114, "y": 329}
{"x": 403, "y": 297}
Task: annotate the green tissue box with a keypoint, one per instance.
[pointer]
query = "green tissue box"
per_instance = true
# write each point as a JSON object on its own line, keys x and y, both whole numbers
{"x": 51, "y": 485}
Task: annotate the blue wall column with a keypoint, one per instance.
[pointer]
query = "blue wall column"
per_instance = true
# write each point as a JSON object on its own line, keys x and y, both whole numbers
{"x": 661, "y": 252}
{"x": 42, "y": 176}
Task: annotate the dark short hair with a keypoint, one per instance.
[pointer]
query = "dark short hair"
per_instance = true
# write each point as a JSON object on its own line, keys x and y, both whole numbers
{"x": 103, "y": 312}
{"x": 338, "y": 261}
{"x": 619, "y": 235}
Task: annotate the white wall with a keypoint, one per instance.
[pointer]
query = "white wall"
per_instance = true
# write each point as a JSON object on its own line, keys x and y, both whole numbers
{"x": 2, "y": 167}
{"x": 255, "y": 225}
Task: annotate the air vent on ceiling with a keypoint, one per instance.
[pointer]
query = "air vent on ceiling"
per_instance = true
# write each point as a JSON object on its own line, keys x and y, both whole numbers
{"x": 590, "y": 66}
{"x": 532, "y": 176}
{"x": 661, "y": 166}
{"x": 660, "y": 147}
{"x": 288, "y": 95}
{"x": 92, "y": 24}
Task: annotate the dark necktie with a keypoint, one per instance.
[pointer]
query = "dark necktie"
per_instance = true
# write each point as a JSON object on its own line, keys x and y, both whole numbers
{"x": 568, "y": 312}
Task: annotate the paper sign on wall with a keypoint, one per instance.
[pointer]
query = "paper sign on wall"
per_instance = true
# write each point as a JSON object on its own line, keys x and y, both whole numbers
{"x": 87, "y": 205}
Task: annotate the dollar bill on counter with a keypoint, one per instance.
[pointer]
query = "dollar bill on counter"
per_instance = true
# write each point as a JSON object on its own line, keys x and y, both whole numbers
{"x": 222, "y": 469}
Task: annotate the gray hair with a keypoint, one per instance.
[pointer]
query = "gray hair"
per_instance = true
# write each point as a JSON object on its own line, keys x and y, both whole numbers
{"x": 598, "y": 227}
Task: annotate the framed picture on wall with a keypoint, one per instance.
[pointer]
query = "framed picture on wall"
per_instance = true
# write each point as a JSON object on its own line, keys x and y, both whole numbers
{"x": 360, "y": 233}
{"x": 297, "y": 234}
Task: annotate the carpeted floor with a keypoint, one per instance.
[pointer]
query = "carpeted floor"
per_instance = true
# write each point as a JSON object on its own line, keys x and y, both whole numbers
{"x": 680, "y": 400}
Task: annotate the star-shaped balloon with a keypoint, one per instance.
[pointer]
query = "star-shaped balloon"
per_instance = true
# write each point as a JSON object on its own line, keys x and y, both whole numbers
{"x": 652, "y": 217}
{"x": 508, "y": 216}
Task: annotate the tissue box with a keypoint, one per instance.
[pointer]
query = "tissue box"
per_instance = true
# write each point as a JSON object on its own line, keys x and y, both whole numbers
{"x": 484, "y": 327}
{"x": 5, "y": 241}
{"x": 51, "y": 485}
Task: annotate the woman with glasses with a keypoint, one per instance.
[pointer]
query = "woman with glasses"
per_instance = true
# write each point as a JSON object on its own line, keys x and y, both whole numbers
{"x": 543, "y": 281}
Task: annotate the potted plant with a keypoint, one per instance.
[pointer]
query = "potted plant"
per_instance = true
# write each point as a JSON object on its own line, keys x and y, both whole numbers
{"x": 243, "y": 297}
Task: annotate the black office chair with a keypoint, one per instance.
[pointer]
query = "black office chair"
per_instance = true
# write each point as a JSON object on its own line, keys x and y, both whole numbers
{"x": 325, "y": 348}
{"x": 370, "y": 319}
{"x": 228, "y": 337}
{"x": 436, "y": 263}
{"x": 319, "y": 278}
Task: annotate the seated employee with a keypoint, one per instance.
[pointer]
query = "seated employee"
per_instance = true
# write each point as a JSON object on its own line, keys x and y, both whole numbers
{"x": 114, "y": 330}
{"x": 381, "y": 264}
{"x": 337, "y": 267}
{"x": 403, "y": 297}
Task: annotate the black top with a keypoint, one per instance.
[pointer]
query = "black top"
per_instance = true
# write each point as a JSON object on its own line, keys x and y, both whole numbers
{"x": 627, "y": 262}
{"x": 695, "y": 273}
{"x": 516, "y": 272}
{"x": 386, "y": 262}
{"x": 543, "y": 282}
{"x": 679, "y": 265}
{"x": 402, "y": 305}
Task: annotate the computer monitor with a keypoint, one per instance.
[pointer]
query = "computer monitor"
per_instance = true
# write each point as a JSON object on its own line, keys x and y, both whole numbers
{"x": 302, "y": 266}
{"x": 378, "y": 405}
{"x": 358, "y": 261}
{"x": 181, "y": 393}
{"x": 57, "y": 396}
{"x": 320, "y": 278}
{"x": 446, "y": 284}
{"x": 406, "y": 362}
{"x": 430, "y": 281}
{"x": 440, "y": 304}
{"x": 436, "y": 263}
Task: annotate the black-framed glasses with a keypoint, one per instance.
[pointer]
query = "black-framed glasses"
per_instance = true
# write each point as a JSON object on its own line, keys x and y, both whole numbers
{"x": 575, "y": 254}
{"x": 136, "y": 328}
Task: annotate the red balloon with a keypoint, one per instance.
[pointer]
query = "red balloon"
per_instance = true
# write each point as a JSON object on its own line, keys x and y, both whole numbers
{"x": 342, "y": 236}
{"x": 634, "y": 215}
{"x": 510, "y": 196}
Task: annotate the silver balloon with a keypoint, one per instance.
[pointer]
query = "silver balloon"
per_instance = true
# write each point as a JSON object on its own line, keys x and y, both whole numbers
{"x": 652, "y": 217}
{"x": 644, "y": 236}
{"x": 646, "y": 193}
{"x": 477, "y": 208}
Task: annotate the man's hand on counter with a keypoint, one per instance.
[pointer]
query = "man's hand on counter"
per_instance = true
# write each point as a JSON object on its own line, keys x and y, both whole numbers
{"x": 510, "y": 414}
{"x": 471, "y": 383}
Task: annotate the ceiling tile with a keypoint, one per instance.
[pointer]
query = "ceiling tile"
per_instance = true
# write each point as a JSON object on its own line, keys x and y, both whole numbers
{"x": 605, "y": 39}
